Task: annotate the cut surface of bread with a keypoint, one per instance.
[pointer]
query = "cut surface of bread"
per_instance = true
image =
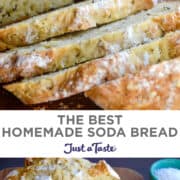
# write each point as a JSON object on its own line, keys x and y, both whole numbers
{"x": 155, "y": 88}
{"x": 16, "y": 10}
{"x": 80, "y": 16}
{"x": 83, "y": 77}
{"x": 55, "y": 55}
{"x": 65, "y": 169}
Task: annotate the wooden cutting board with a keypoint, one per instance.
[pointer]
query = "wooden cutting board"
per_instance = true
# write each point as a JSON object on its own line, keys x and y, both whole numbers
{"x": 124, "y": 173}
{"x": 9, "y": 102}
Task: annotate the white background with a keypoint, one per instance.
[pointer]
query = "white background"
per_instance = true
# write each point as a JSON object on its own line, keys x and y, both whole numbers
{"x": 126, "y": 147}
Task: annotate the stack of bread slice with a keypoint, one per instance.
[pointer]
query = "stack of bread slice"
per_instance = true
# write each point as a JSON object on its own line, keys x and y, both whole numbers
{"x": 98, "y": 42}
{"x": 64, "y": 169}
{"x": 16, "y": 10}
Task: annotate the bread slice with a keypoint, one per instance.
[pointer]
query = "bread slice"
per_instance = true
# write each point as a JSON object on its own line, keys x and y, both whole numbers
{"x": 81, "y": 16}
{"x": 15, "y": 10}
{"x": 81, "y": 78}
{"x": 66, "y": 169}
{"x": 155, "y": 88}
{"x": 66, "y": 52}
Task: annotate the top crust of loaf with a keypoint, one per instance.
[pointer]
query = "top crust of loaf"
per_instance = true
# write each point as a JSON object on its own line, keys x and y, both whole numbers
{"x": 51, "y": 161}
{"x": 63, "y": 169}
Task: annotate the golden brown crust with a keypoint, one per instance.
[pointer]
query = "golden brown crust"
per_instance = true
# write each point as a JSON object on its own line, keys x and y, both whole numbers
{"x": 70, "y": 19}
{"x": 155, "y": 88}
{"x": 144, "y": 4}
{"x": 169, "y": 22}
{"x": 51, "y": 161}
{"x": 94, "y": 170}
{"x": 17, "y": 64}
{"x": 13, "y": 11}
{"x": 31, "y": 161}
{"x": 81, "y": 78}
{"x": 97, "y": 169}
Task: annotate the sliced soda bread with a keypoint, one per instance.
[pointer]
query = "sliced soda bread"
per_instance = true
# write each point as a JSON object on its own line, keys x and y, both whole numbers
{"x": 83, "y": 77}
{"x": 80, "y": 16}
{"x": 157, "y": 88}
{"x": 15, "y": 10}
{"x": 66, "y": 169}
{"x": 68, "y": 51}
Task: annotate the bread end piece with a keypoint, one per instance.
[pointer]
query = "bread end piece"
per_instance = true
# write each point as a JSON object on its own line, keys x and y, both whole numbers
{"x": 154, "y": 88}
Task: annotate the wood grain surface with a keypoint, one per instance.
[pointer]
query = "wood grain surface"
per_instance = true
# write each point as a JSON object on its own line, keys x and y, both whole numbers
{"x": 124, "y": 173}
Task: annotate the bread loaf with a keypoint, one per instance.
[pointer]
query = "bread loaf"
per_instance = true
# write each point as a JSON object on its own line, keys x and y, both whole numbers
{"x": 81, "y": 16}
{"x": 81, "y": 78}
{"x": 62, "y": 53}
{"x": 155, "y": 88}
{"x": 66, "y": 169}
{"x": 51, "y": 161}
{"x": 15, "y": 10}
